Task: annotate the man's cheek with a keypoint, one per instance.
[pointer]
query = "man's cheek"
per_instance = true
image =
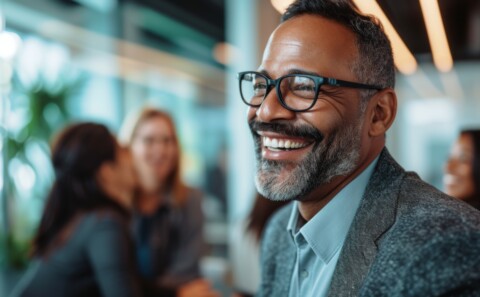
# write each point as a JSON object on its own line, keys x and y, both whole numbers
{"x": 251, "y": 111}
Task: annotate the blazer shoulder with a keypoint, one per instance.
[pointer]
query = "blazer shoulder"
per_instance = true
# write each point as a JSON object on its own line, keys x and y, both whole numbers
{"x": 423, "y": 206}
{"x": 433, "y": 247}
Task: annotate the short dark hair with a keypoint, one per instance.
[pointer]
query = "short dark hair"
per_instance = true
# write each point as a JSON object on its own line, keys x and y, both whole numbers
{"x": 375, "y": 62}
{"x": 475, "y": 135}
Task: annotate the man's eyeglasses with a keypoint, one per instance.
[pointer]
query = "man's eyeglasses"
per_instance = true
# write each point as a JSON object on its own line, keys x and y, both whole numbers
{"x": 296, "y": 92}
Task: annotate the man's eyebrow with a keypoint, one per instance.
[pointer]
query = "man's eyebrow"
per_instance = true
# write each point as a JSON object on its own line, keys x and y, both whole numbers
{"x": 291, "y": 71}
{"x": 264, "y": 72}
{"x": 300, "y": 71}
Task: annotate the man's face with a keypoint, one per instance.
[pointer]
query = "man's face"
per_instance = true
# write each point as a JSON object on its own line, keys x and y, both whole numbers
{"x": 325, "y": 142}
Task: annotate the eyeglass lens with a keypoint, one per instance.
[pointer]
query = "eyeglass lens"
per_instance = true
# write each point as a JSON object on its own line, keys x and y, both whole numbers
{"x": 298, "y": 92}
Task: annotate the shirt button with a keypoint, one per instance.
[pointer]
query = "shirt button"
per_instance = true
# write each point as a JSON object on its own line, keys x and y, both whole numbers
{"x": 301, "y": 242}
{"x": 304, "y": 274}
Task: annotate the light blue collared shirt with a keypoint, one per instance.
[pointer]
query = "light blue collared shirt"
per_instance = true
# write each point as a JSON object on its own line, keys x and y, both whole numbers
{"x": 321, "y": 239}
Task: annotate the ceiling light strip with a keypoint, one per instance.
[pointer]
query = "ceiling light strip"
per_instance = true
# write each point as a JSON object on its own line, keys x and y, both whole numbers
{"x": 442, "y": 57}
{"x": 403, "y": 58}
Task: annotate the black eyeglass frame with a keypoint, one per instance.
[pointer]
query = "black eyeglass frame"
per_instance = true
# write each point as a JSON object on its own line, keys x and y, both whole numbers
{"x": 319, "y": 81}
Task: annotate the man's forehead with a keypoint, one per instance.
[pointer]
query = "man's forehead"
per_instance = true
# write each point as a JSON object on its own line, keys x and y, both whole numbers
{"x": 311, "y": 38}
{"x": 288, "y": 47}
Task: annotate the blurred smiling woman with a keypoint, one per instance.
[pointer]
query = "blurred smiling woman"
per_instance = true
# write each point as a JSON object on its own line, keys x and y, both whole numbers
{"x": 168, "y": 218}
{"x": 82, "y": 246}
{"x": 462, "y": 170}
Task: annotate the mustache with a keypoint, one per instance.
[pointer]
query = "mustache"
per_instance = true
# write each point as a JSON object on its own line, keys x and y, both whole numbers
{"x": 303, "y": 131}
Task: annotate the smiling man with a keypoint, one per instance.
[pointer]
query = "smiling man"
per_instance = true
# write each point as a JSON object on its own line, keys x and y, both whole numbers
{"x": 319, "y": 108}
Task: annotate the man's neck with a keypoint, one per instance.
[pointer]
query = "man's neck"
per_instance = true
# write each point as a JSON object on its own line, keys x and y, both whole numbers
{"x": 318, "y": 198}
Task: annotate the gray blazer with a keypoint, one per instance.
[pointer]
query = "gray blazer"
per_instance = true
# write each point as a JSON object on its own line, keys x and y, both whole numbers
{"x": 407, "y": 239}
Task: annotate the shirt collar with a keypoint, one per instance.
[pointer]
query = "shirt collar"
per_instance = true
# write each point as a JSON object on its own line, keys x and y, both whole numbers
{"x": 327, "y": 230}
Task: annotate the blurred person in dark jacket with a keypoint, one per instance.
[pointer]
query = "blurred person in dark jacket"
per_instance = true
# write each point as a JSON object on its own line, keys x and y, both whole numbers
{"x": 82, "y": 246}
{"x": 462, "y": 170}
{"x": 168, "y": 218}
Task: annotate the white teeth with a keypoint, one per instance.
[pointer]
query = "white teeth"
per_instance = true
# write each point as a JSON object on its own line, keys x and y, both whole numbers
{"x": 282, "y": 144}
{"x": 274, "y": 143}
{"x": 267, "y": 141}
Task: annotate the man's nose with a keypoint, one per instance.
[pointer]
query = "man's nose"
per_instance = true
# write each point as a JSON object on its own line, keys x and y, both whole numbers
{"x": 272, "y": 110}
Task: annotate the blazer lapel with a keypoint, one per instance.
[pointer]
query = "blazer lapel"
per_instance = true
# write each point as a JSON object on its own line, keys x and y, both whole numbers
{"x": 375, "y": 215}
{"x": 285, "y": 268}
{"x": 278, "y": 258}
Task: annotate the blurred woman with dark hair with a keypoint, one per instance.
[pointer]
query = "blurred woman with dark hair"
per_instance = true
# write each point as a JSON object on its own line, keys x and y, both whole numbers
{"x": 82, "y": 246}
{"x": 462, "y": 170}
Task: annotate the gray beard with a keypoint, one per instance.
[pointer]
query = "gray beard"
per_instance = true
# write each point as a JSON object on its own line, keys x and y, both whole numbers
{"x": 338, "y": 155}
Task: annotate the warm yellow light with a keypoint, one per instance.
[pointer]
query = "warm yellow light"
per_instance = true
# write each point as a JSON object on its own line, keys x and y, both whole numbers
{"x": 281, "y": 5}
{"x": 402, "y": 56}
{"x": 225, "y": 53}
{"x": 442, "y": 57}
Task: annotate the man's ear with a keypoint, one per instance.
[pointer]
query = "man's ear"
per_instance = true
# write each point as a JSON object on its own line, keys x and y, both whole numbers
{"x": 382, "y": 110}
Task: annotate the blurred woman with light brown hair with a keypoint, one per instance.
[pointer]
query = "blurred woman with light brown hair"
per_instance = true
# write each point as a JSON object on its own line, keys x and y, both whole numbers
{"x": 168, "y": 222}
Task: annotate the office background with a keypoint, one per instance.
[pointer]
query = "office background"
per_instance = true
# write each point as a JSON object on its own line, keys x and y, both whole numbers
{"x": 100, "y": 60}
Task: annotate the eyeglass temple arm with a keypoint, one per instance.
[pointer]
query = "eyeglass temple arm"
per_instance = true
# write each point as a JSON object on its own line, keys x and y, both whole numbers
{"x": 343, "y": 83}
